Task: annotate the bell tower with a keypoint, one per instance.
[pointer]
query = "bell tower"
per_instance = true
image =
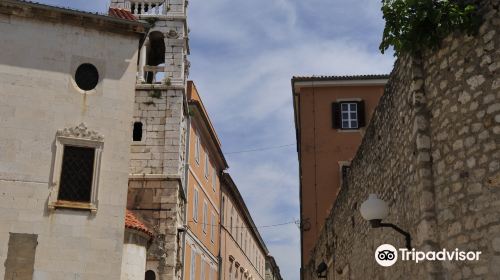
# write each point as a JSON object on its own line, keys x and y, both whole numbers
{"x": 156, "y": 189}
{"x": 163, "y": 57}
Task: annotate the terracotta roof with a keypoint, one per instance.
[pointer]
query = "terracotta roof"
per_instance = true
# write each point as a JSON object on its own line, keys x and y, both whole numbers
{"x": 121, "y": 13}
{"x": 132, "y": 222}
{"x": 30, "y": 9}
{"x": 340, "y": 78}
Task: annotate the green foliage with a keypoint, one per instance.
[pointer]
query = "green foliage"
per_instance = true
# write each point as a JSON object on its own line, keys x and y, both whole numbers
{"x": 167, "y": 81}
{"x": 412, "y": 26}
{"x": 155, "y": 94}
{"x": 151, "y": 21}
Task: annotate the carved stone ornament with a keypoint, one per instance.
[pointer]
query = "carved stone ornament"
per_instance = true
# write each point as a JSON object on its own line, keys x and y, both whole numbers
{"x": 80, "y": 131}
{"x": 172, "y": 34}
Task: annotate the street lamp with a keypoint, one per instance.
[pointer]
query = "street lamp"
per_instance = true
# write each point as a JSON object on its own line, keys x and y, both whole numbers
{"x": 375, "y": 210}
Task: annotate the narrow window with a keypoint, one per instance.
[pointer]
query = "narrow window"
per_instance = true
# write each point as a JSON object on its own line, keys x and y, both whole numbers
{"x": 202, "y": 272}
{"x": 137, "y": 133}
{"x": 77, "y": 174}
{"x": 222, "y": 210}
{"x": 193, "y": 264}
{"x": 197, "y": 149}
{"x": 237, "y": 228}
{"x": 345, "y": 170}
{"x": 231, "y": 224}
{"x": 205, "y": 220}
{"x": 214, "y": 179}
{"x": 195, "y": 205}
{"x": 349, "y": 115}
{"x": 212, "y": 228}
{"x": 207, "y": 163}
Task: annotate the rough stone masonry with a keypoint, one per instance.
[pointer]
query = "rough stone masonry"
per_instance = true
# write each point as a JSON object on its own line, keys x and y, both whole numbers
{"x": 432, "y": 152}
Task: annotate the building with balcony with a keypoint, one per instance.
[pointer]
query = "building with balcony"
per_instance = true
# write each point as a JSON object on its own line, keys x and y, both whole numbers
{"x": 157, "y": 187}
{"x": 67, "y": 98}
{"x": 331, "y": 114}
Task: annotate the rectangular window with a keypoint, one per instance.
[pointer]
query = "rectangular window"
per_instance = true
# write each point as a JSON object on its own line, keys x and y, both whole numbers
{"x": 349, "y": 113}
{"x": 195, "y": 205}
{"x": 207, "y": 163}
{"x": 76, "y": 174}
{"x": 212, "y": 228}
{"x": 232, "y": 219}
{"x": 197, "y": 149}
{"x": 345, "y": 170}
{"x": 76, "y": 169}
{"x": 202, "y": 271}
{"x": 205, "y": 220}
{"x": 214, "y": 179}
{"x": 222, "y": 213}
{"x": 193, "y": 264}
{"x": 237, "y": 229}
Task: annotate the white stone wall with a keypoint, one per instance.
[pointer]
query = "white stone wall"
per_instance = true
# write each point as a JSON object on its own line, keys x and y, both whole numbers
{"x": 38, "y": 97}
{"x": 134, "y": 262}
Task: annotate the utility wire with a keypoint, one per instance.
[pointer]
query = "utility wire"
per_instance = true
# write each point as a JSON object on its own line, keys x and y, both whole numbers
{"x": 265, "y": 226}
{"x": 260, "y": 149}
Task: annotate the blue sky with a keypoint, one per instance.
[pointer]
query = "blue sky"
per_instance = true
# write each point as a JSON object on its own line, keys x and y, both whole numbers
{"x": 243, "y": 55}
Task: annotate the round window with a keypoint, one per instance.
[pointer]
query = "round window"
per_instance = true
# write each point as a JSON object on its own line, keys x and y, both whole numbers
{"x": 86, "y": 76}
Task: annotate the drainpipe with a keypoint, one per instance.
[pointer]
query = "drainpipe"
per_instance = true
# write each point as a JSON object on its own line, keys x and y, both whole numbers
{"x": 219, "y": 228}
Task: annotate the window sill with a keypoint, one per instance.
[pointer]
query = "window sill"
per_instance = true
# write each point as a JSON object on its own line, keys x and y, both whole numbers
{"x": 349, "y": 130}
{"x": 73, "y": 205}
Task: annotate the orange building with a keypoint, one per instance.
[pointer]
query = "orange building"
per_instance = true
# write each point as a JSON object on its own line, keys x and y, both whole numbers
{"x": 331, "y": 113}
{"x": 243, "y": 252}
{"x": 205, "y": 165}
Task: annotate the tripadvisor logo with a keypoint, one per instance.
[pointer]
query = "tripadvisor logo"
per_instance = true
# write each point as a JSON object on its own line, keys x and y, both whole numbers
{"x": 387, "y": 255}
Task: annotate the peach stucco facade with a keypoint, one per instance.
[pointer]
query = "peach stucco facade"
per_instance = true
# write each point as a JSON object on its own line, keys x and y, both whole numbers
{"x": 242, "y": 250}
{"x": 205, "y": 164}
{"x": 325, "y": 148}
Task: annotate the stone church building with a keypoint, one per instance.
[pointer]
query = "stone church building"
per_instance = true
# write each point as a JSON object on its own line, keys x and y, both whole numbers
{"x": 67, "y": 98}
{"x": 93, "y": 119}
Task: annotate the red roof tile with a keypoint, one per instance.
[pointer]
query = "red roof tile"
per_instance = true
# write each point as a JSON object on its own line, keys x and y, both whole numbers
{"x": 121, "y": 13}
{"x": 132, "y": 222}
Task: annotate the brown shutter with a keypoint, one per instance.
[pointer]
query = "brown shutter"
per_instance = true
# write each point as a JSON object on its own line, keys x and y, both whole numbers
{"x": 336, "y": 115}
{"x": 361, "y": 114}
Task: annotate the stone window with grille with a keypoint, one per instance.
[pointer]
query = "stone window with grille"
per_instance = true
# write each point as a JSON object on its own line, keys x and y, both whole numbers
{"x": 76, "y": 169}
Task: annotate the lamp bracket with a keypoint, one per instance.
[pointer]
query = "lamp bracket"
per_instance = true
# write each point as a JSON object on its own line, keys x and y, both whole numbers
{"x": 378, "y": 223}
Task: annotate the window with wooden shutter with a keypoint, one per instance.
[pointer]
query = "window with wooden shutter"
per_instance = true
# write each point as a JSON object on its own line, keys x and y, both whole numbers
{"x": 348, "y": 115}
{"x": 336, "y": 116}
{"x": 361, "y": 114}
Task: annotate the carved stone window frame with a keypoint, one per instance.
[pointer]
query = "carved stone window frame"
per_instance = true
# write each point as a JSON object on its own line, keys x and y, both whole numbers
{"x": 79, "y": 136}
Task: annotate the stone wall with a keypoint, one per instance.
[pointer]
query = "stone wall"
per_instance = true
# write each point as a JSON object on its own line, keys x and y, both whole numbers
{"x": 430, "y": 151}
{"x": 157, "y": 167}
{"x": 38, "y": 97}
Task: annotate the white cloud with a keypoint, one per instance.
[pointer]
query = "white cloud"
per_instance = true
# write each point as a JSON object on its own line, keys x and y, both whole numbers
{"x": 244, "y": 54}
{"x": 242, "y": 63}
